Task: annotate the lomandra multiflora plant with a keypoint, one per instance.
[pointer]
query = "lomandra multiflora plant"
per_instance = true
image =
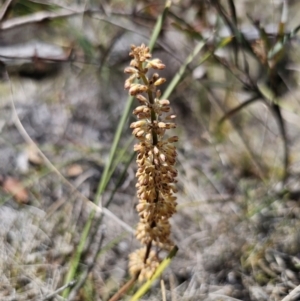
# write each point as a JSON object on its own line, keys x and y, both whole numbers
{"x": 156, "y": 156}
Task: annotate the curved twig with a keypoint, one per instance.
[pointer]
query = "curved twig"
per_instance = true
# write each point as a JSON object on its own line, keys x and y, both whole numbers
{"x": 238, "y": 108}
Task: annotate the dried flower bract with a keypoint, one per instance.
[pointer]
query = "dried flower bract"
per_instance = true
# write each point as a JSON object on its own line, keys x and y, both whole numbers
{"x": 156, "y": 156}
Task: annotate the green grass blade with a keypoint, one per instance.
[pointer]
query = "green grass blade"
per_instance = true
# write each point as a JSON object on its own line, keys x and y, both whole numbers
{"x": 105, "y": 176}
{"x": 120, "y": 179}
{"x": 164, "y": 264}
{"x": 158, "y": 25}
{"x": 178, "y": 76}
{"x": 120, "y": 157}
{"x": 78, "y": 252}
{"x": 100, "y": 190}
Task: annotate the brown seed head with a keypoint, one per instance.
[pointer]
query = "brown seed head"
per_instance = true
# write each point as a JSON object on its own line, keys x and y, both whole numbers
{"x": 156, "y": 157}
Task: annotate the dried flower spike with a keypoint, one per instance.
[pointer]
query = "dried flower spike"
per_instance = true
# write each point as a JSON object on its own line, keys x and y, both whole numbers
{"x": 156, "y": 156}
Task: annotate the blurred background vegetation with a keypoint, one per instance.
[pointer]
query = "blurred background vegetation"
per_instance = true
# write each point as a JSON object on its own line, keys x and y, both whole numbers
{"x": 66, "y": 147}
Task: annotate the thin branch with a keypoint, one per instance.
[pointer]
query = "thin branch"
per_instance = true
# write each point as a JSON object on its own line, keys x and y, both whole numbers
{"x": 71, "y": 283}
{"x": 238, "y": 108}
{"x": 124, "y": 288}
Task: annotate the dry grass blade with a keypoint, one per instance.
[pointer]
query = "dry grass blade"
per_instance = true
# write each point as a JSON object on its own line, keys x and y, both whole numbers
{"x": 293, "y": 295}
{"x": 163, "y": 290}
{"x": 88, "y": 202}
{"x": 50, "y": 296}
